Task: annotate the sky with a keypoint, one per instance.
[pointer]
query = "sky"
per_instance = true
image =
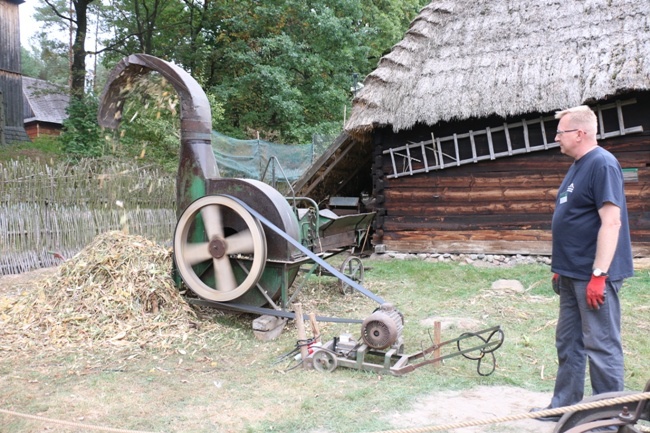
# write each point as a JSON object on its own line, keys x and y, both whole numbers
{"x": 28, "y": 26}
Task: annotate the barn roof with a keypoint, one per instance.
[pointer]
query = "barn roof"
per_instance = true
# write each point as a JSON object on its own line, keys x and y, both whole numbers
{"x": 44, "y": 101}
{"x": 466, "y": 58}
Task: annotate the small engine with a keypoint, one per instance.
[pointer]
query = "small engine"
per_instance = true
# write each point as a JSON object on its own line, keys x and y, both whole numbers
{"x": 383, "y": 328}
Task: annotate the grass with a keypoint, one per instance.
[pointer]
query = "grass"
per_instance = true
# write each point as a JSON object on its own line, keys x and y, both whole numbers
{"x": 235, "y": 384}
{"x": 45, "y": 148}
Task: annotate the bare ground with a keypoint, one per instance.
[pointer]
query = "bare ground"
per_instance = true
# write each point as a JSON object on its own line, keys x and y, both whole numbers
{"x": 483, "y": 403}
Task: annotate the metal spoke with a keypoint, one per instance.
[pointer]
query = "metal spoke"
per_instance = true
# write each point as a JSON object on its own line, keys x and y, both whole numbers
{"x": 240, "y": 243}
{"x": 212, "y": 220}
{"x": 225, "y": 275}
{"x": 195, "y": 253}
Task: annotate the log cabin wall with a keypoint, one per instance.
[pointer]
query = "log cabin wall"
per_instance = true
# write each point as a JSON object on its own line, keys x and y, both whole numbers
{"x": 40, "y": 129}
{"x": 502, "y": 205}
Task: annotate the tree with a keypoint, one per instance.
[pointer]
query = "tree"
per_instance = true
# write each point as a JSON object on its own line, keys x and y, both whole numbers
{"x": 76, "y": 18}
{"x": 47, "y": 61}
{"x": 143, "y": 26}
{"x": 387, "y": 21}
{"x": 282, "y": 68}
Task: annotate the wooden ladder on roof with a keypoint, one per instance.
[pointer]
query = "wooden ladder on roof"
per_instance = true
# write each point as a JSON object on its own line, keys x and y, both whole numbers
{"x": 443, "y": 152}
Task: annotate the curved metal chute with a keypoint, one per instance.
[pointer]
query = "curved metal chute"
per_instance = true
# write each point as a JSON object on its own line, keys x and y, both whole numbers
{"x": 198, "y": 177}
{"x": 197, "y": 162}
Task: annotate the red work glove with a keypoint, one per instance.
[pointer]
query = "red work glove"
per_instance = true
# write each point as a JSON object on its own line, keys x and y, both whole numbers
{"x": 555, "y": 283}
{"x": 596, "y": 292}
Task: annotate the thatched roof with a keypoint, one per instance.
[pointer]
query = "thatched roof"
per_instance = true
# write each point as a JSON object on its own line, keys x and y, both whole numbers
{"x": 468, "y": 58}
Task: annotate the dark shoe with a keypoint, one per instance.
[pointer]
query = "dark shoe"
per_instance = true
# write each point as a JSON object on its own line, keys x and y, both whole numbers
{"x": 551, "y": 418}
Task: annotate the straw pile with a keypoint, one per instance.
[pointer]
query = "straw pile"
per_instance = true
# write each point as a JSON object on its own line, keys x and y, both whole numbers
{"x": 116, "y": 292}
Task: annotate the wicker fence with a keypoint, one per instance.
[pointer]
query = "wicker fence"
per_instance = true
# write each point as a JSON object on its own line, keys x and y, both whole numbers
{"x": 52, "y": 211}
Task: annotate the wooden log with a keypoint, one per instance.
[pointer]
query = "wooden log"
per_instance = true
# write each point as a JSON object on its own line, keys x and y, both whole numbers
{"x": 438, "y": 195}
{"x": 486, "y": 180}
{"x": 302, "y": 335}
{"x": 472, "y": 210}
{"x": 469, "y": 247}
{"x": 470, "y": 235}
{"x": 468, "y": 223}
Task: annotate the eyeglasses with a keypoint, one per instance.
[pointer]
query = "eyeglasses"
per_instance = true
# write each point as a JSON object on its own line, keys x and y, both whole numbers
{"x": 558, "y": 132}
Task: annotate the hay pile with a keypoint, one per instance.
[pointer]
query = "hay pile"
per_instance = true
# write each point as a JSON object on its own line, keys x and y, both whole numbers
{"x": 116, "y": 292}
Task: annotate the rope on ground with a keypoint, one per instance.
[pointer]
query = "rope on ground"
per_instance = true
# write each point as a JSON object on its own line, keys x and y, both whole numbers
{"x": 68, "y": 423}
{"x": 528, "y": 415}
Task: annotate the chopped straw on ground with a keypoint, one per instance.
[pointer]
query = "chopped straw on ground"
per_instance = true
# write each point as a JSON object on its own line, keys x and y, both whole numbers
{"x": 117, "y": 292}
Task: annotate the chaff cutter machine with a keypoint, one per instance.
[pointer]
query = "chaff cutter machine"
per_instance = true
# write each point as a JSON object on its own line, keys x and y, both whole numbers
{"x": 238, "y": 243}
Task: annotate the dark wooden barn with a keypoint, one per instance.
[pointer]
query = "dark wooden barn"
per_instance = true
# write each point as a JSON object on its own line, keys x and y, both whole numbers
{"x": 455, "y": 128}
{"x": 11, "y": 89}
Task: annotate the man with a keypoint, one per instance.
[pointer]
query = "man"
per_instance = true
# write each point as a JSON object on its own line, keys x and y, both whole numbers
{"x": 592, "y": 255}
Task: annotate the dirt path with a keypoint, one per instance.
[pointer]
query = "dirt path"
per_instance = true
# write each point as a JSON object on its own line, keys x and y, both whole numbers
{"x": 481, "y": 403}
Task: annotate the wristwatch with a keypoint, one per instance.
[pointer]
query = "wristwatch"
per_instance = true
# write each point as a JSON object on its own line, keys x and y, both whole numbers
{"x": 600, "y": 273}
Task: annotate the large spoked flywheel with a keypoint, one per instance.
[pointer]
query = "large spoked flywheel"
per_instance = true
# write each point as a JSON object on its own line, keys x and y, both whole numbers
{"x": 219, "y": 248}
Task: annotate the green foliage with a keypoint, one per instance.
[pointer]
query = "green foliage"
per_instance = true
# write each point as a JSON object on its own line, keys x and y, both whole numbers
{"x": 387, "y": 21}
{"x": 286, "y": 72}
{"x": 282, "y": 69}
{"x": 81, "y": 134}
{"x": 47, "y": 60}
{"x": 150, "y": 128}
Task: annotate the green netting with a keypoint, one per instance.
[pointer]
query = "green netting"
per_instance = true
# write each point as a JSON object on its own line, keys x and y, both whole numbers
{"x": 250, "y": 158}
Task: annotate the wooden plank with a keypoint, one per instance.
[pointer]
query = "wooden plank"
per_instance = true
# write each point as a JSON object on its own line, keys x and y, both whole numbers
{"x": 619, "y": 113}
{"x": 508, "y": 142}
{"x": 461, "y": 246}
{"x": 490, "y": 145}
{"x": 410, "y": 163}
{"x": 544, "y": 140}
{"x": 473, "y": 142}
{"x": 526, "y": 140}
{"x": 601, "y": 124}
{"x": 423, "y": 149}
{"x": 467, "y": 235}
{"x": 433, "y": 148}
{"x": 514, "y": 211}
{"x": 451, "y": 224}
{"x": 469, "y": 195}
{"x": 484, "y": 180}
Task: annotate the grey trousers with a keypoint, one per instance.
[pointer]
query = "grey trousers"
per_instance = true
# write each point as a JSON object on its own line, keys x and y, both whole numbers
{"x": 583, "y": 334}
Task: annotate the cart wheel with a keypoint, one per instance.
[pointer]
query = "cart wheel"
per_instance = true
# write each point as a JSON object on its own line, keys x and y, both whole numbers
{"x": 324, "y": 360}
{"x": 352, "y": 268}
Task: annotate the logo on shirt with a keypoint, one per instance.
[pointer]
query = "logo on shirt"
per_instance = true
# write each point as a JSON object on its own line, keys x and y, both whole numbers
{"x": 570, "y": 188}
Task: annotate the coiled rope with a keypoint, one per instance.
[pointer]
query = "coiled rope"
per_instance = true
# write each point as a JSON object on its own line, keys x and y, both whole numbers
{"x": 68, "y": 423}
{"x": 528, "y": 415}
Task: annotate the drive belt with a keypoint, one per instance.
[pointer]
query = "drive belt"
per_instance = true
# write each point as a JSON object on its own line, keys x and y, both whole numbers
{"x": 317, "y": 259}
{"x": 309, "y": 253}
